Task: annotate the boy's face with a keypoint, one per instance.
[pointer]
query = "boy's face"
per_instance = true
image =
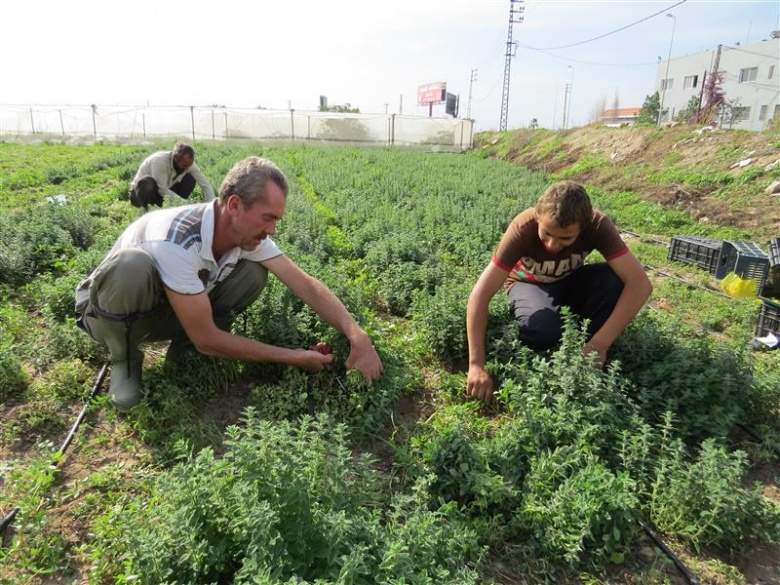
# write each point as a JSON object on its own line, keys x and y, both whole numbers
{"x": 554, "y": 237}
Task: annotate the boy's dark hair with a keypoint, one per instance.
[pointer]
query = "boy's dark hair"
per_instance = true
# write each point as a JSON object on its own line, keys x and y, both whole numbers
{"x": 567, "y": 203}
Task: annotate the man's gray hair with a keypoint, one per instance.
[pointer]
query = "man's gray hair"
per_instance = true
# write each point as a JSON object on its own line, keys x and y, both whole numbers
{"x": 182, "y": 149}
{"x": 248, "y": 178}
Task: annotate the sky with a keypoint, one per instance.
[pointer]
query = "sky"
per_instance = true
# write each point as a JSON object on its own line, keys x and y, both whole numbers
{"x": 370, "y": 54}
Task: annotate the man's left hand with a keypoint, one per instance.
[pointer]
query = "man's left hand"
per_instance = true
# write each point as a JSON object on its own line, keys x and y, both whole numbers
{"x": 364, "y": 358}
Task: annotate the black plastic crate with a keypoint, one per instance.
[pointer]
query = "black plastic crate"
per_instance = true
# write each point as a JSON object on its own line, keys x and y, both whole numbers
{"x": 702, "y": 252}
{"x": 774, "y": 253}
{"x": 768, "y": 318}
{"x": 745, "y": 259}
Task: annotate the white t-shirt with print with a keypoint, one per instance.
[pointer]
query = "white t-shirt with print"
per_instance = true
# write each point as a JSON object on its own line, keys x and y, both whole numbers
{"x": 179, "y": 240}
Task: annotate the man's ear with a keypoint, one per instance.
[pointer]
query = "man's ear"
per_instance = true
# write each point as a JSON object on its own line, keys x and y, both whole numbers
{"x": 233, "y": 202}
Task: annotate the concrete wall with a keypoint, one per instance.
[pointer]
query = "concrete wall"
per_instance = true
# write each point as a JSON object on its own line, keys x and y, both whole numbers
{"x": 763, "y": 91}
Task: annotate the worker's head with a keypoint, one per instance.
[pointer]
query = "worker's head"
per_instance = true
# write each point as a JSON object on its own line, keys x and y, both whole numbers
{"x": 253, "y": 195}
{"x": 183, "y": 157}
{"x": 562, "y": 212}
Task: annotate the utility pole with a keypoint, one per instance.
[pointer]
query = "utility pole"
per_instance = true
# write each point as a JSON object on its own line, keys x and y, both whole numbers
{"x": 668, "y": 61}
{"x": 566, "y": 91}
{"x": 401, "y": 104}
{"x": 472, "y": 79}
{"x": 516, "y": 10}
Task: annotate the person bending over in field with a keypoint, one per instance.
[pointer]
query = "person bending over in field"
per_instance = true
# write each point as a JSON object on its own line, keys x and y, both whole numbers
{"x": 169, "y": 174}
{"x": 184, "y": 273}
{"x": 540, "y": 263}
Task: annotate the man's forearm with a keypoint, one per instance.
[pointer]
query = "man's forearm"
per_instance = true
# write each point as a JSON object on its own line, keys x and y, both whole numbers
{"x": 327, "y": 305}
{"x": 226, "y": 345}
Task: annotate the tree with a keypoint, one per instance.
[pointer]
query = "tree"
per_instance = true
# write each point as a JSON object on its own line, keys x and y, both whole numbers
{"x": 689, "y": 113}
{"x": 650, "y": 109}
{"x": 714, "y": 97}
{"x": 341, "y": 108}
{"x": 534, "y": 123}
{"x": 729, "y": 111}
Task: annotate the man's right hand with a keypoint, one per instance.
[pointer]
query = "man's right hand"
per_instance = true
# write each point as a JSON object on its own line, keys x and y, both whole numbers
{"x": 312, "y": 360}
{"x": 479, "y": 385}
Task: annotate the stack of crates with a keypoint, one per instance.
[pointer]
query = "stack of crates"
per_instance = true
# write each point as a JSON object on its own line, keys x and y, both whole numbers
{"x": 720, "y": 257}
{"x": 745, "y": 259}
{"x": 702, "y": 252}
{"x": 774, "y": 253}
{"x": 769, "y": 315}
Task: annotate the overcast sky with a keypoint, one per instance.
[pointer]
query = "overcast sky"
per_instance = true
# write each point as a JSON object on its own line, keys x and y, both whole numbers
{"x": 365, "y": 52}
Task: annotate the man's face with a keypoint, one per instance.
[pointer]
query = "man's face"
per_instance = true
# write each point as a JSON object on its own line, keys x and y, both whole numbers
{"x": 554, "y": 237}
{"x": 182, "y": 163}
{"x": 251, "y": 225}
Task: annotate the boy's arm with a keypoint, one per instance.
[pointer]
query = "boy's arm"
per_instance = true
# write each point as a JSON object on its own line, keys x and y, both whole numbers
{"x": 479, "y": 384}
{"x": 636, "y": 291}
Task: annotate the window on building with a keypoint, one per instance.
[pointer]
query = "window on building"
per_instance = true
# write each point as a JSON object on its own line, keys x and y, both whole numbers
{"x": 742, "y": 114}
{"x": 667, "y": 84}
{"x": 771, "y": 73}
{"x": 748, "y": 74}
{"x": 690, "y": 81}
{"x": 763, "y": 112}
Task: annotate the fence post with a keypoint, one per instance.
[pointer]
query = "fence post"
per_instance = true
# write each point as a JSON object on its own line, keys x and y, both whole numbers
{"x": 227, "y": 131}
{"x": 62, "y": 125}
{"x": 32, "y": 121}
{"x": 308, "y": 127}
{"x": 292, "y": 123}
{"x": 143, "y": 122}
{"x": 213, "y": 132}
{"x": 461, "y": 134}
{"x": 94, "y": 123}
{"x": 192, "y": 121}
{"x": 392, "y": 130}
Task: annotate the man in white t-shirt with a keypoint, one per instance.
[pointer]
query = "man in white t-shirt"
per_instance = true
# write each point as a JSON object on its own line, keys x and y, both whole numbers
{"x": 170, "y": 174}
{"x": 183, "y": 273}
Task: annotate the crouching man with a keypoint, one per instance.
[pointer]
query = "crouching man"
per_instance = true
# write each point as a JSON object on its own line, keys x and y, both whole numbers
{"x": 184, "y": 273}
{"x": 170, "y": 174}
{"x": 540, "y": 262}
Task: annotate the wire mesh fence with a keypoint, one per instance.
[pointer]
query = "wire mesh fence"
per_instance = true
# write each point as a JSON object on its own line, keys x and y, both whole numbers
{"x": 219, "y": 123}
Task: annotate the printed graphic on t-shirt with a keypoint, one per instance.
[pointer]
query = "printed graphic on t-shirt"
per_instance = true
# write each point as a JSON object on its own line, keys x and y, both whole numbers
{"x": 528, "y": 269}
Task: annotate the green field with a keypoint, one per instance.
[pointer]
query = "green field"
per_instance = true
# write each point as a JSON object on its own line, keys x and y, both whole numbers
{"x": 221, "y": 475}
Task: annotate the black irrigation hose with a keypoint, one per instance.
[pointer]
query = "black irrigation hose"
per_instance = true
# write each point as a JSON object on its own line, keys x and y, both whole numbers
{"x": 684, "y": 571}
{"x": 9, "y": 518}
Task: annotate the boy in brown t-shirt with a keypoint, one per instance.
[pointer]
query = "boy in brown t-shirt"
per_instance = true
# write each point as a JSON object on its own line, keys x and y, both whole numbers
{"x": 540, "y": 261}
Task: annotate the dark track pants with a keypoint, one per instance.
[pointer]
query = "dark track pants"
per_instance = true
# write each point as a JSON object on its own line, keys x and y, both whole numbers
{"x": 592, "y": 291}
{"x": 147, "y": 192}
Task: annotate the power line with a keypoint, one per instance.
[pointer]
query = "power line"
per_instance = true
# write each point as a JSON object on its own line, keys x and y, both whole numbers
{"x": 750, "y": 52}
{"x": 546, "y": 52}
{"x": 610, "y": 32}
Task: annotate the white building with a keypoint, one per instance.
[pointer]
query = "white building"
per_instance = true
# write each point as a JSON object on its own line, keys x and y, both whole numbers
{"x": 751, "y": 74}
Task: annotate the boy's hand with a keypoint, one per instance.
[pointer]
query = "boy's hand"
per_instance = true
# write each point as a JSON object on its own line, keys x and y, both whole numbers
{"x": 593, "y": 346}
{"x": 479, "y": 385}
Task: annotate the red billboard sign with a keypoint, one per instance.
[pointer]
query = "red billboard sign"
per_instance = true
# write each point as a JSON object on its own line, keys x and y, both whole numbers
{"x": 432, "y": 93}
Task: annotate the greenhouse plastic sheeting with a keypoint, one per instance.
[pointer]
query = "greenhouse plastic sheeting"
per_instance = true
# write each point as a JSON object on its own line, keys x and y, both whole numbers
{"x": 203, "y": 123}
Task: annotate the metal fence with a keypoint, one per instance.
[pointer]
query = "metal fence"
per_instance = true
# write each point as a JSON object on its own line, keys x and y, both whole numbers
{"x": 219, "y": 123}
